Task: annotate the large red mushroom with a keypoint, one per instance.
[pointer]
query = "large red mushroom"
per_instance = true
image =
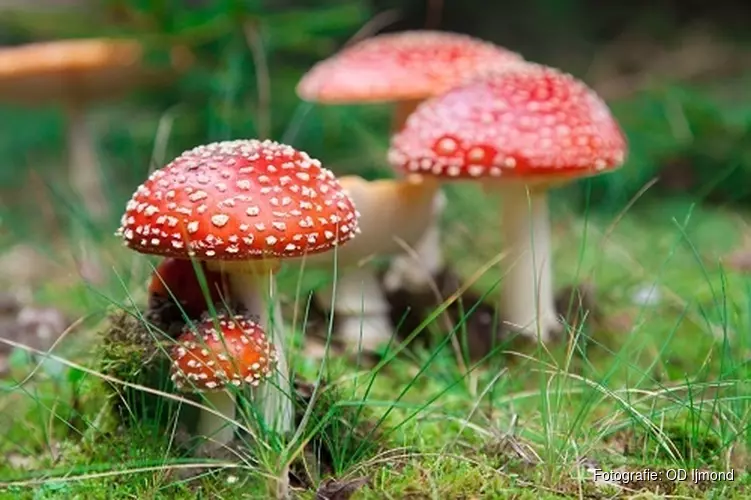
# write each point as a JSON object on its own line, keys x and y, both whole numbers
{"x": 242, "y": 207}
{"x": 217, "y": 357}
{"x": 522, "y": 131}
{"x": 404, "y": 68}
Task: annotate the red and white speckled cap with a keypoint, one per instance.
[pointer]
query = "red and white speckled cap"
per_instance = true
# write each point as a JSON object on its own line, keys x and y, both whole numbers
{"x": 202, "y": 361}
{"x": 526, "y": 122}
{"x": 239, "y": 200}
{"x": 402, "y": 66}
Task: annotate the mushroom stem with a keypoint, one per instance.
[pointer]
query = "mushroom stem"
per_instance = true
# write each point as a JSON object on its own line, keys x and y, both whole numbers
{"x": 361, "y": 311}
{"x": 527, "y": 290}
{"x": 256, "y": 293}
{"x": 402, "y": 110}
{"x": 219, "y": 429}
{"x": 415, "y": 271}
{"x": 84, "y": 172}
{"x": 84, "y": 180}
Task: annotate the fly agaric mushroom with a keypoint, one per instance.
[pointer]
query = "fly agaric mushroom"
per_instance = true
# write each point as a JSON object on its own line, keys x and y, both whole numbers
{"x": 404, "y": 68}
{"x": 523, "y": 131}
{"x": 176, "y": 279}
{"x": 242, "y": 207}
{"x": 75, "y": 73}
{"x": 216, "y": 362}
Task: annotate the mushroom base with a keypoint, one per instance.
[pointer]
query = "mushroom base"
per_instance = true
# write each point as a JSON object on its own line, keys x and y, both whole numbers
{"x": 414, "y": 271}
{"x": 257, "y": 295}
{"x": 527, "y": 302}
{"x": 361, "y": 312}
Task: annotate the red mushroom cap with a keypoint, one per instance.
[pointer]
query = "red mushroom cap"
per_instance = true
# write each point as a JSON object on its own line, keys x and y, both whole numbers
{"x": 239, "y": 200}
{"x": 402, "y": 66}
{"x": 524, "y": 122}
{"x": 178, "y": 277}
{"x": 201, "y": 361}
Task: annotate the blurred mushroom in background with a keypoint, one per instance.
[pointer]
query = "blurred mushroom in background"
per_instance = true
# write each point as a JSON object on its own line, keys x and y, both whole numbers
{"x": 75, "y": 74}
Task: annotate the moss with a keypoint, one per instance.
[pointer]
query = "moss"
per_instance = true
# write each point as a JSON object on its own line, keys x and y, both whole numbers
{"x": 134, "y": 353}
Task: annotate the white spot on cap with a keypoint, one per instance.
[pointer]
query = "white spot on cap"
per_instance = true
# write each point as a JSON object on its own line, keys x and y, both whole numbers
{"x": 219, "y": 220}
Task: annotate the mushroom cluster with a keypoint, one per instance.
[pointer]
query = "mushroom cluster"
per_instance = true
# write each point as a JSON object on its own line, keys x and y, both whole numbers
{"x": 241, "y": 207}
{"x": 404, "y": 68}
{"x": 467, "y": 110}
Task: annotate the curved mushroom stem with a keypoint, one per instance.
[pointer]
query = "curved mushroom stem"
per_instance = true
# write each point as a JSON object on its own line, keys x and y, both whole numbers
{"x": 362, "y": 312}
{"x": 256, "y": 293}
{"x": 219, "y": 429}
{"x": 414, "y": 272}
{"x": 527, "y": 302}
{"x": 84, "y": 170}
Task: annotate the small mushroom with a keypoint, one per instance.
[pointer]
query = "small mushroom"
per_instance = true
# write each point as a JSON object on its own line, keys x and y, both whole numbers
{"x": 404, "y": 68}
{"x": 217, "y": 362}
{"x": 242, "y": 207}
{"x": 521, "y": 131}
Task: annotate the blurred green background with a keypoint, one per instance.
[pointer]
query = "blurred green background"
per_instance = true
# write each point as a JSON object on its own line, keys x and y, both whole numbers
{"x": 675, "y": 73}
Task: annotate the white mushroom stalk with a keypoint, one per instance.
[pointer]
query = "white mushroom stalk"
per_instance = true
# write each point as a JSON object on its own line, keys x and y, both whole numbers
{"x": 85, "y": 177}
{"x": 394, "y": 214}
{"x": 361, "y": 311}
{"x": 252, "y": 285}
{"x": 416, "y": 268}
{"x": 527, "y": 296}
{"x": 217, "y": 427}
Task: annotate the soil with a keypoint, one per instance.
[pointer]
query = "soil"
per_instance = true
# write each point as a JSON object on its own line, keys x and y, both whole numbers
{"x": 577, "y": 304}
{"x": 32, "y": 326}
